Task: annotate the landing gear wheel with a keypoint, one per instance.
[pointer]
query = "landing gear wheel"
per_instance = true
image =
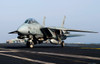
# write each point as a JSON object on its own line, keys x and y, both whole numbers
{"x": 30, "y": 44}
{"x": 62, "y": 44}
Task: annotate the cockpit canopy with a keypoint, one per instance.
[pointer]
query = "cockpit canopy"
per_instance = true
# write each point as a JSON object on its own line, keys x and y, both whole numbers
{"x": 30, "y": 21}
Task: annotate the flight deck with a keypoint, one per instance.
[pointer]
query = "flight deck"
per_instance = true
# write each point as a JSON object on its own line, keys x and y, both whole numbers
{"x": 49, "y": 54}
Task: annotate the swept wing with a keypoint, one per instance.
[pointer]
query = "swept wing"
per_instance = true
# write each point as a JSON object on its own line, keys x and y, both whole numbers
{"x": 70, "y": 30}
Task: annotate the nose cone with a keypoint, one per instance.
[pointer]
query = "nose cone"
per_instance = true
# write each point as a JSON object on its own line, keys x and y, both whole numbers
{"x": 23, "y": 29}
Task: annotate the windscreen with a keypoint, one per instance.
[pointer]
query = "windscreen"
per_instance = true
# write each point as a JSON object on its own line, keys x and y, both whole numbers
{"x": 30, "y": 21}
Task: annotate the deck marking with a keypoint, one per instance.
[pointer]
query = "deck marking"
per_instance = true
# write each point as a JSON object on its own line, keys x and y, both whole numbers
{"x": 27, "y": 59}
{"x": 58, "y": 54}
{"x": 90, "y": 48}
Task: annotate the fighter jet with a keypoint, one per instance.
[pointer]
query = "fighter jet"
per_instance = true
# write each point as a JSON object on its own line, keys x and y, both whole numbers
{"x": 36, "y": 33}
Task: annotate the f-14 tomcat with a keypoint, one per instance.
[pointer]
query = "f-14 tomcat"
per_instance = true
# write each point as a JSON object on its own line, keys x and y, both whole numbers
{"x": 36, "y": 33}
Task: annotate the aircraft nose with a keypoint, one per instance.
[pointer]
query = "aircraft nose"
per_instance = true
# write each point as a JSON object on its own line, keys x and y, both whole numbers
{"x": 23, "y": 29}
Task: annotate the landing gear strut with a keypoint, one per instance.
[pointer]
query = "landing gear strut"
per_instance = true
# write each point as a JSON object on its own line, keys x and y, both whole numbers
{"x": 62, "y": 44}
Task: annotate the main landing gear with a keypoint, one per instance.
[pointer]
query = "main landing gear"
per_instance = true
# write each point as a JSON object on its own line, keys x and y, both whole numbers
{"x": 62, "y": 44}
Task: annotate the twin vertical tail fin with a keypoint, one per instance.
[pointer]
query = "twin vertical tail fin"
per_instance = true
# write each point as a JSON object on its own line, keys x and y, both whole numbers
{"x": 44, "y": 21}
{"x": 63, "y": 21}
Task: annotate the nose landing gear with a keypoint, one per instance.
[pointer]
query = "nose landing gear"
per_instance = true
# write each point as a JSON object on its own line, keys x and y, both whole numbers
{"x": 30, "y": 44}
{"x": 31, "y": 41}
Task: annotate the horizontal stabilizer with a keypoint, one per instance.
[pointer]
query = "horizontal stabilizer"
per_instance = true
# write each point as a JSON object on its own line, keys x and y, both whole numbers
{"x": 72, "y": 30}
{"x": 13, "y": 32}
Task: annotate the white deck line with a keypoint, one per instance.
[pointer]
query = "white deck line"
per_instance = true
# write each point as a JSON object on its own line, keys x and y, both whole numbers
{"x": 27, "y": 59}
{"x": 57, "y": 54}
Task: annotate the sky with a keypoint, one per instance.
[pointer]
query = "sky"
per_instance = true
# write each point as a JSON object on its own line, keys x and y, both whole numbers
{"x": 80, "y": 14}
